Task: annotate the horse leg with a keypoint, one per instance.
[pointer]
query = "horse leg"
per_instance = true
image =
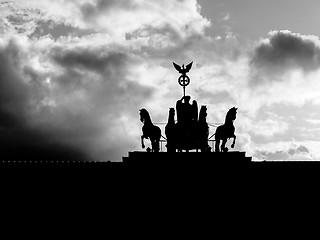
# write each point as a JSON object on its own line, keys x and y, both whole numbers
{"x": 142, "y": 143}
{"x": 153, "y": 146}
{"x": 223, "y": 146}
{"x": 217, "y": 146}
{"x": 156, "y": 147}
{"x": 234, "y": 141}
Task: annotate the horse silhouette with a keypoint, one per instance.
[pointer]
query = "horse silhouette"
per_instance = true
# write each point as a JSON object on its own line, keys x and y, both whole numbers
{"x": 150, "y": 131}
{"x": 226, "y": 131}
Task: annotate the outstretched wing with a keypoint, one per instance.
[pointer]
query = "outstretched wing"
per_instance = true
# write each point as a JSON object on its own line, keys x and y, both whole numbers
{"x": 189, "y": 66}
{"x": 176, "y": 66}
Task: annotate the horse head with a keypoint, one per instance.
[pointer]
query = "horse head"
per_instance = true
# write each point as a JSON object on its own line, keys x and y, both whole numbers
{"x": 144, "y": 115}
{"x": 232, "y": 114}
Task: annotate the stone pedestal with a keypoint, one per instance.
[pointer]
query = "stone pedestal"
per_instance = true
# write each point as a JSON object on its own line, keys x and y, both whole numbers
{"x": 184, "y": 158}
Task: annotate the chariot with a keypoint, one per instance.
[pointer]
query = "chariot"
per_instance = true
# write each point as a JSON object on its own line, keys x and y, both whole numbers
{"x": 187, "y": 129}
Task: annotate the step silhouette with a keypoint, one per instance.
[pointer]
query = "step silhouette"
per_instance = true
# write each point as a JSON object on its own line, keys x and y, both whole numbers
{"x": 183, "y": 158}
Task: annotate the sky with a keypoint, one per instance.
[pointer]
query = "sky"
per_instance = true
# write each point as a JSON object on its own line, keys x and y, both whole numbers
{"x": 74, "y": 73}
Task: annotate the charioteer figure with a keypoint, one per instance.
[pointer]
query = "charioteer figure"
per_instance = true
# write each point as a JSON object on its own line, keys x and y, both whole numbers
{"x": 187, "y": 113}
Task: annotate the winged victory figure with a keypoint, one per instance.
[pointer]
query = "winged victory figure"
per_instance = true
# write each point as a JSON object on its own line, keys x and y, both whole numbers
{"x": 183, "y": 70}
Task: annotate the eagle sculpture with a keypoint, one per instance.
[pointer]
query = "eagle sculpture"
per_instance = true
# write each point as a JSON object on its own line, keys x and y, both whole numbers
{"x": 183, "y": 70}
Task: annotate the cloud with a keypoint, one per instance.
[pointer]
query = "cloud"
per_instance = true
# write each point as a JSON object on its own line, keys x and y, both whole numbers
{"x": 267, "y": 128}
{"x": 68, "y": 92}
{"x": 92, "y": 9}
{"x": 92, "y": 59}
{"x": 78, "y": 104}
{"x": 122, "y": 17}
{"x": 115, "y": 18}
{"x": 57, "y": 30}
{"x": 284, "y": 51}
{"x": 282, "y": 69}
{"x": 226, "y": 16}
{"x": 60, "y": 11}
{"x": 19, "y": 139}
{"x": 286, "y": 152}
{"x": 313, "y": 121}
{"x": 291, "y": 150}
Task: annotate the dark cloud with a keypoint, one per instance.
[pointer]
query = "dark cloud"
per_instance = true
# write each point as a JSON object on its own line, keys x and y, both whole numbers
{"x": 93, "y": 9}
{"x": 303, "y": 149}
{"x": 286, "y": 51}
{"x": 57, "y": 30}
{"x": 18, "y": 140}
{"x": 21, "y": 20}
{"x": 35, "y": 23}
{"x": 14, "y": 92}
{"x": 95, "y": 59}
{"x": 90, "y": 94}
{"x": 107, "y": 95}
